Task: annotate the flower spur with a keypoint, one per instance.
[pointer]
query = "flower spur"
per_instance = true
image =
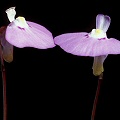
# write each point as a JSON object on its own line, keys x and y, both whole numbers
{"x": 6, "y": 48}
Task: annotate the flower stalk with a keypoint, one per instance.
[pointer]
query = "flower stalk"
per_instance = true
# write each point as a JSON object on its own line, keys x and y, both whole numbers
{"x": 4, "y": 85}
{"x": 100, "y": 79}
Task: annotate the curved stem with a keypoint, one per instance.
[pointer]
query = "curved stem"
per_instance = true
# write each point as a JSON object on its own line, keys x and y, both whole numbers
{"x": 4, "y": 86}
{"x": 96, "y": 96}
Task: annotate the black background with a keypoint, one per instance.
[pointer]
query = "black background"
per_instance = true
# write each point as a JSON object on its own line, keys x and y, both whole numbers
{"x": 51, "y": 83}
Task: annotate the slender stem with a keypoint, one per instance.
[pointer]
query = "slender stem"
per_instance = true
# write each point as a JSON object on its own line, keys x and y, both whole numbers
{"x": 4, "y": 86}
{"x": 96, "y": 97}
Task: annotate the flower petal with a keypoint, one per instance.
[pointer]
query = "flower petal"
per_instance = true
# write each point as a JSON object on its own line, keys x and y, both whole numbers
{"x": 82, "y": 45}
{"x": 103, "y": 22}
{"x": 107, "y": 46}
{"x": 7, "y": 48}
{"x": 35, "y": 36}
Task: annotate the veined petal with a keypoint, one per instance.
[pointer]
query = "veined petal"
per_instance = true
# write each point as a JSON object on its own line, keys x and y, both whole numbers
{"x": 67, "y": 38}
{"x": 70, "y": 42}
{"x": 34, "y": 35}
{"x": 11, "y": 13}
{"x": 103, "y": 22}
{"x": 98, "y": 65}
{"x": 40, "y": 27}
{"x": 7, "y": 48}
{"x": 105, "y": 47}
{"x": 82, "y": 45}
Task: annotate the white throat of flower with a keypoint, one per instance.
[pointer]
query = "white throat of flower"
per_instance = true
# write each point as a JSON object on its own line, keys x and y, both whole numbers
{"x": 97, "y": 33}
{"x": 21, "y": 22}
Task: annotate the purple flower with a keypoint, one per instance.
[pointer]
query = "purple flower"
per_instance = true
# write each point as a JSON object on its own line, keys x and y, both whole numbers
{"x": 7, "y": 48}
{"x": 22, "y": 33}
{"x": 94, "y": 44}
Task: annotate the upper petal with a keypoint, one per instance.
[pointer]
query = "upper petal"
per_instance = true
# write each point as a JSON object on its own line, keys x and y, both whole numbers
{"x": 102, "y": 22}
{"x": 11, "y": 13}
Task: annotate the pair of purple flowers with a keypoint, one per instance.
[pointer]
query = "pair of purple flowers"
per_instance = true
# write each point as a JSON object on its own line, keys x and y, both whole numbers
{"x": 22, "y": 33}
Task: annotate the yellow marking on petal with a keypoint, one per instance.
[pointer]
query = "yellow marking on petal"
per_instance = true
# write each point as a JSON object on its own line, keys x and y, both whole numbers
{"x": 21, "y": 22}
{"x": 21, "y": 19}
{"x": 98, "y": 31}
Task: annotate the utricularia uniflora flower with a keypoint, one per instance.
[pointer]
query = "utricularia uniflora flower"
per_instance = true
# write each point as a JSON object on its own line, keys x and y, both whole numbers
{"x": 22, "y": 33}
{"x": 94, "y": 44}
